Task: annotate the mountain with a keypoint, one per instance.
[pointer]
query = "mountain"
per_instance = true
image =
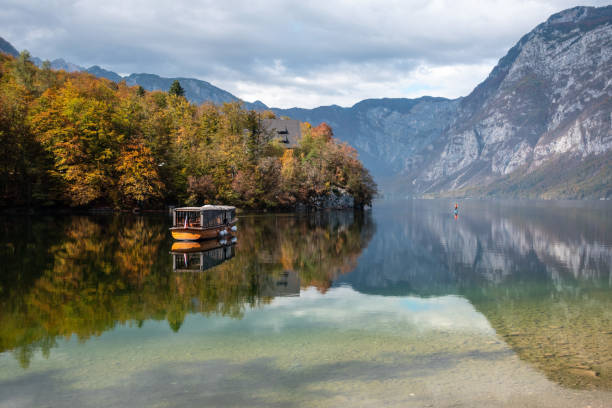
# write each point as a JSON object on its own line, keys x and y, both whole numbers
{"x": 392, "y": 136}
{"x": 60, "y": 63}
{"x": 547, "y": 104}
{"x": 104, "y": 73}
{"x": 7, "y": 48}
{"x": 538, "y": 126}
{"x": 197, "y": 91}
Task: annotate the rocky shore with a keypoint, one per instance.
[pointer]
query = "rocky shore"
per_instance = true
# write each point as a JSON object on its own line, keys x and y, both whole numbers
{"x": 338, "y": 199}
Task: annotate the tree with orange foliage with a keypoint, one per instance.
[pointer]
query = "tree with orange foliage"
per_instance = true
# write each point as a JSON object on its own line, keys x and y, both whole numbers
{"x": 138, "y": 178}
{"x": 323, "y": 131}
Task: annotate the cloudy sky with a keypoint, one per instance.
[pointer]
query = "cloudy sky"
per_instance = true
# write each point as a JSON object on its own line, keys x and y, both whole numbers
{"x": 286, "y": 53}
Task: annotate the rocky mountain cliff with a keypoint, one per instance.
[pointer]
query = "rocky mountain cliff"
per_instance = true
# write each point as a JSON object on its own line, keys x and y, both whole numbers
{"x": 538, "y": 126}
{"x": 548, "y": 100}
{"x": 392, "y": 136}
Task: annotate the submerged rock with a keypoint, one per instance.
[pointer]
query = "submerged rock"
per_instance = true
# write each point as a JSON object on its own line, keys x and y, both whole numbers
{"x": 337, "y": 199}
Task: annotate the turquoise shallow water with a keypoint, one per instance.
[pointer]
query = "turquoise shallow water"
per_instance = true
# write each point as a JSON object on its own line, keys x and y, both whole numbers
{"x": 508, "y": 305}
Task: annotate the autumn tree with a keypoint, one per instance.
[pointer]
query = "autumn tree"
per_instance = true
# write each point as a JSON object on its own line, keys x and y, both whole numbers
{"x": 75, "y": 126}
{"x": 138, "y": 178}
{"x": 268, "y": 114}
{"x": 23, "y": 176}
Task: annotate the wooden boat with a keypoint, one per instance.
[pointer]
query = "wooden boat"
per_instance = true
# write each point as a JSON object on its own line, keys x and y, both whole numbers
{"x": 206, "y": 222}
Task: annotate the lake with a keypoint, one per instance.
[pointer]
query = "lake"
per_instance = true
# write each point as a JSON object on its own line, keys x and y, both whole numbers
{"x": 508, "y": 304}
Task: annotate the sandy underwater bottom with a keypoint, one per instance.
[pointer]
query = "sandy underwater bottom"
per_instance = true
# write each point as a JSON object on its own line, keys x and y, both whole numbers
{"x": 339, "y": 349}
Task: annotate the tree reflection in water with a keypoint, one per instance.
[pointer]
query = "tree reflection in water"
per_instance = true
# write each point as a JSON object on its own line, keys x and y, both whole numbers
{"x": 82, "y": 276}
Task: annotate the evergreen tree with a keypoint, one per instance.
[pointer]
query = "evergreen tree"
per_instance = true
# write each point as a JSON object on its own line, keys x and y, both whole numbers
{"x": 176, "y": 89}
{"x": 25, "y": 70}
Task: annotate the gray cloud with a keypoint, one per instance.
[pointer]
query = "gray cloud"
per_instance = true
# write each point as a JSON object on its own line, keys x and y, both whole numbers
{"x": 285, "y": 53}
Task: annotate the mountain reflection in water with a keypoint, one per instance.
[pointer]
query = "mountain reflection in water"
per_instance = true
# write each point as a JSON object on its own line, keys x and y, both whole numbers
{"x": 540, "y": 272}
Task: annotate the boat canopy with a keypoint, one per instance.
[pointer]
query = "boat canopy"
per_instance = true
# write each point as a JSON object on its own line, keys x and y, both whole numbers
{"x": 204, "y": 217}
{"x": 207, "y": 207}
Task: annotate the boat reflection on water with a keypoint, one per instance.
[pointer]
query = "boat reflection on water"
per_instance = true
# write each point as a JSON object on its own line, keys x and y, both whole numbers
{"x": 198, "y": 256}
{"x": 88, "y": 275}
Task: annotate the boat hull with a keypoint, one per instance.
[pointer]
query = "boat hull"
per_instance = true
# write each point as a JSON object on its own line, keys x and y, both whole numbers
{"x": 181, "y": 247}
{"x": 198, "y": 234}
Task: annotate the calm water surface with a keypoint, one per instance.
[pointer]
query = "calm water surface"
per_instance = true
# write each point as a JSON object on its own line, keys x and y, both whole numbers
{"x": 508, "y": 305}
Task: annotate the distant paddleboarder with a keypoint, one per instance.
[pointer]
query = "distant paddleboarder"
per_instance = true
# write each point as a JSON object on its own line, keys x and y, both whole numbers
{"x": 456, "y": 210}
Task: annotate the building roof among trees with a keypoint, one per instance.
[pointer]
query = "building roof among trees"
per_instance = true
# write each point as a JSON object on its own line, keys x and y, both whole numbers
{"x": 286, "y": 131}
